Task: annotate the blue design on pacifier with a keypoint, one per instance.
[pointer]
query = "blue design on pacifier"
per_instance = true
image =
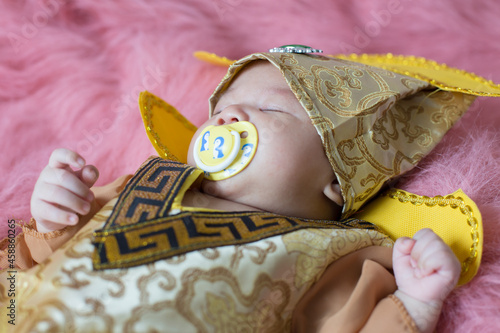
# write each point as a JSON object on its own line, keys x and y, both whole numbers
{"x": 219, "y": 144}
{"x": 204, "y": 141}
{"x": 224, "y": 151}
{"x": 247, "y": 149}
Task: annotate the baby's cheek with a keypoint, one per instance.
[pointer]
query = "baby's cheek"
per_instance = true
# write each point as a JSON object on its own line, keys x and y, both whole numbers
{"x": 190, "y": 158}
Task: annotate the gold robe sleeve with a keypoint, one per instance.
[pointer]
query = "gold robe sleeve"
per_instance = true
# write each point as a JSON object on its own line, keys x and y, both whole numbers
{"x": 33, "y": 247}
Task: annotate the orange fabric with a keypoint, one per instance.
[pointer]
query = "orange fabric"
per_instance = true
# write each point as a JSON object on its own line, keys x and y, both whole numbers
{"x": 354, "y": 295}
{"x": 33, "y": 247}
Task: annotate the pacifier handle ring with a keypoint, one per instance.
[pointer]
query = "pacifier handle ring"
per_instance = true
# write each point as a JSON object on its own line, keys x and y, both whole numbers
{"x": 227, "y": 162}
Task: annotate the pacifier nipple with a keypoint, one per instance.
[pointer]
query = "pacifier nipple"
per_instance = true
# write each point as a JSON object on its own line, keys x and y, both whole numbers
{"x": 225, "y": 150}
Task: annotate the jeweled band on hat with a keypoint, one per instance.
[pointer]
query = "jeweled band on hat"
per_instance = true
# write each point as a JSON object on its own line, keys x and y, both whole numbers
{"x": 374, "y": 124}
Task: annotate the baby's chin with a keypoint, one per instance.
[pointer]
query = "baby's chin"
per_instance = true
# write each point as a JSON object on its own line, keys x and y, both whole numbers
{"x": 216, "y": 188}
{"x": 190, "y": 158}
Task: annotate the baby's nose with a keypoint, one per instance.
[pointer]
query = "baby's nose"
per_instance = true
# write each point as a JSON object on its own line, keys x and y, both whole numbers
{"x": 232, "y": 114}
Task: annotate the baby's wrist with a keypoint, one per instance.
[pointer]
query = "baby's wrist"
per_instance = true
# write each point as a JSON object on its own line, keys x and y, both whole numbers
{"x": 47, "y": 229}
{"x": 41, "y": 228}
{"x": 424, "y": 314}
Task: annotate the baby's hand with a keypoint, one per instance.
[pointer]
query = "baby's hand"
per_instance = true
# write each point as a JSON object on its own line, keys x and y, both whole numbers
{"x": 426, "y": 271}
{"x": 61, "y": 193}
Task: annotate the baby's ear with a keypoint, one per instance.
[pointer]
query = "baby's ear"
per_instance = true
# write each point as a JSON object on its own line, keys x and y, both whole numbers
{"x": 332, "y": 191}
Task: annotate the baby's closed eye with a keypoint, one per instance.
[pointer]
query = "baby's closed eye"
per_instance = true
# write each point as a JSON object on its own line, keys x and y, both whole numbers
{"x": 271, "y": 109}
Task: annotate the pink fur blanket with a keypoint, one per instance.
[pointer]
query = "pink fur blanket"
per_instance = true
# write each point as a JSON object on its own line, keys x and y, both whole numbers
{"x": 71, "y": 71}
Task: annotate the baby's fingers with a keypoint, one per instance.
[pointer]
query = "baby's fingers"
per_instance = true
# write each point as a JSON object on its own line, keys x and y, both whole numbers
{"x": 67, "y": 180}
{"x": 88, "y": 175}
{"x": 62, "y": 157}
{"x": 443, "y": 263}
{"x": 434, "y": 255}
{"x": 401, "y": 254}
{"x": 403, "y": 247}
{"x": 51, "y": 217}
{"x": 67, "y": 200}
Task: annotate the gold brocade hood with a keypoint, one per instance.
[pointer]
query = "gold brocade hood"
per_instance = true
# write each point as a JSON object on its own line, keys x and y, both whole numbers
{"x": 374, "y": 124}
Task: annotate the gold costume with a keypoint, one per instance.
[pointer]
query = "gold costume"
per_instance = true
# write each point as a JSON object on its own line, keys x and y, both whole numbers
{"x": 154, "y": 268}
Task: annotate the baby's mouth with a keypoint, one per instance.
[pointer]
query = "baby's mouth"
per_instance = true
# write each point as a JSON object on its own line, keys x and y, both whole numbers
{"x": 224, "y": 151}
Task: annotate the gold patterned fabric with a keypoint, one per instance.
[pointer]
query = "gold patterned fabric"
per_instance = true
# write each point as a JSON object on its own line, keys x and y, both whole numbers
{"x": 375, "y": 124}
{"x": 142, "y": 228}
{"x": 251, "y": 287}
{"x": 437, "y": 74}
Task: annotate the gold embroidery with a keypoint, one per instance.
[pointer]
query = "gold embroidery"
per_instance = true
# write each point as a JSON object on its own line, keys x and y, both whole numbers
{"x": 52, "y": 315}
{"x": 249, "y": 286}
{"x": 450, "y": 111}
{"x": 223, "y": 314}
{"x": 318, "y": 248}
{"x": 439, "y": 75}
{"x": 178, "y": 259}
{"x": 453, "y": 202}
{"x": 73, "y": 252}
{"x": 376, "y": 180}
{"x": 386, "y": 128}
{"x": 371, "y": 121}
{"x": 166, "y": 282}
{"x": 152, "y": 318}
{"x": 257, "y": 318}
{"x": 70, "y": 278}
{"x": 260, "y": 257}
{"x": 140, "y": 229}
{"x": 210, "y": 253}
{"x": 335, "y": 83}
{"x": 97, "y": 310}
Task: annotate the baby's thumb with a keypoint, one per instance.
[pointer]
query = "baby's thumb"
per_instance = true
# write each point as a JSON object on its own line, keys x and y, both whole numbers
{"x": 89, "y": 175}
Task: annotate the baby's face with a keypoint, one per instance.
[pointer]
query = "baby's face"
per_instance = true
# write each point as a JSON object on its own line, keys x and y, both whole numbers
{"x": 290, "y": 170}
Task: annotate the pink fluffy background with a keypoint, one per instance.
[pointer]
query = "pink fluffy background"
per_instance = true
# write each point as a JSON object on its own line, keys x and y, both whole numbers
{"x": 71, "y": 71}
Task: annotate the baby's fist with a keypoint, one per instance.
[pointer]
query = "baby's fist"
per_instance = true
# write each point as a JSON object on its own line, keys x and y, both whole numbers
{"x": 61, "y": 193}
{"x": 425, "y": 267}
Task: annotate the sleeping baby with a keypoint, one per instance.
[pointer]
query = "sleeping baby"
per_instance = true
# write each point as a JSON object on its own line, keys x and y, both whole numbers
{"x": 256, "y": 230}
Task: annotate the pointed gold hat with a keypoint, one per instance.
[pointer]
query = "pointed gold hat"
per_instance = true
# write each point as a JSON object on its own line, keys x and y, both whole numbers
{"x": 374, "y": 123}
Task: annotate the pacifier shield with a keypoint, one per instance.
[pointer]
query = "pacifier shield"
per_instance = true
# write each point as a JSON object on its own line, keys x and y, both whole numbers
{"x": 223, "y": 151}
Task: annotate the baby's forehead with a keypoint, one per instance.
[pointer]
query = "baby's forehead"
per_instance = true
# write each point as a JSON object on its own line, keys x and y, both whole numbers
{"x": 257, "y": 69}
{"x": 257, "y": 63}
{"x": 259, "y": 75}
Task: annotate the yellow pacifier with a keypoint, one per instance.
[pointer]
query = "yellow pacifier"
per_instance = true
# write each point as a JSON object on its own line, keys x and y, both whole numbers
{"x": 223, "y": 151}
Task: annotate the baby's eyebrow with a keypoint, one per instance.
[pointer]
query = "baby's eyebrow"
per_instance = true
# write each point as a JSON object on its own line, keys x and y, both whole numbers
{"x": 281, "y": 91}
{"x": 274, "y": 90}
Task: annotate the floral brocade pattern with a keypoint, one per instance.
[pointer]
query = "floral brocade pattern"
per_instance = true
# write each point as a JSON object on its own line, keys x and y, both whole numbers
{"x": 374, "y": 124}
{"x": 252, "y": 287}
